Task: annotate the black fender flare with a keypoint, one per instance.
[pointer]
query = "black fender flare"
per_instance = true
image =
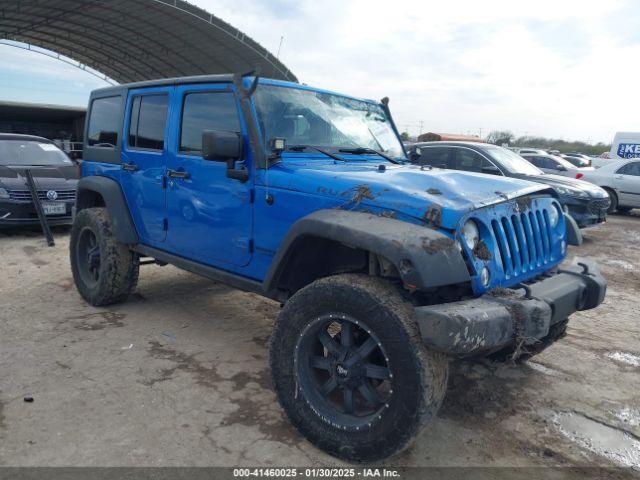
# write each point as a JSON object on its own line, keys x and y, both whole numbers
{"x": 424, "y": 257}
{"x": 116, "y": 204}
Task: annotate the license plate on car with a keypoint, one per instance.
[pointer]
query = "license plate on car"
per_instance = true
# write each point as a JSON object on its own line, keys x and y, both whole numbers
{"x": 54, "y": 208}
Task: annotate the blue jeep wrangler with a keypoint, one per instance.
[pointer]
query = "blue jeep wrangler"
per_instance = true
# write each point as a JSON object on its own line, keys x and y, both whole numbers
{"x": 385, "y": 271}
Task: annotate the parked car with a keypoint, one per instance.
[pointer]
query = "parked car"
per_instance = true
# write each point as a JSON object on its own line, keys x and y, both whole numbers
{"x": 586, "y": 204}
{"x": 54, "y": 174}
{"x": 579, "y": 161}
{"x": 385, "y": 270}
{"x": 529, "y": 150}
{"x": 555, "y": 165}
{"x": 621, "y": 179}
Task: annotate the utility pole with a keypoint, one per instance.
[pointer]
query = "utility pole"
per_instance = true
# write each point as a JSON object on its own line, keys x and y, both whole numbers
{"x": 421, "y": 126}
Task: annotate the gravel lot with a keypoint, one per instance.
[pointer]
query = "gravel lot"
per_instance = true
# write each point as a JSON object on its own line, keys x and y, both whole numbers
{"x": 179, "y": 375}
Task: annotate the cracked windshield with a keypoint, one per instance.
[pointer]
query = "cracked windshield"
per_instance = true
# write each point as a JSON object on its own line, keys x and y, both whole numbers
{"x": 319, "y": 119}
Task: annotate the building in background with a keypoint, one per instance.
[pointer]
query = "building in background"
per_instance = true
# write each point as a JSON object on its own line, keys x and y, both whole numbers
{"x": 448, "y": 137}
{"x": 62, "y": 124}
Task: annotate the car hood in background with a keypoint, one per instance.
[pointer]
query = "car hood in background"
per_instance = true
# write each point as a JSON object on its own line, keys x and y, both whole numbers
{"x": 560, "y": 181}
{"x": 61, "y": 177}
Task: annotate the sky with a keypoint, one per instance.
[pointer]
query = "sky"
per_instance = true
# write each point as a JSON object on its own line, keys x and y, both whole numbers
{"x": 557, "y": 68}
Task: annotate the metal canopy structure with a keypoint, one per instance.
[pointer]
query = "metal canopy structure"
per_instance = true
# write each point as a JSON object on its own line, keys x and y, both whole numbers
{"x": 135, "y": 40}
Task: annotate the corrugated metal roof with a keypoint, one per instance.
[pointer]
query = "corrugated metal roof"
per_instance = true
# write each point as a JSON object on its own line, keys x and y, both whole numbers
{"x": 136, "y": 40}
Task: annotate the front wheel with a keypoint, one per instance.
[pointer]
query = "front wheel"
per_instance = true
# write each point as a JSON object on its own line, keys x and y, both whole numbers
{"x": 350, "y": 370}
{"x": 105, "y": 271}
{"x": 614, "y": 201}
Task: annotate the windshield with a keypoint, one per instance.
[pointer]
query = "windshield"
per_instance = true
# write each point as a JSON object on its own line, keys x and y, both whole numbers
{"x": 564, "y": 162}
{"x": 31, "y": 153}
{"x": 318, "y": 119}
{"x": 511, "y": 162}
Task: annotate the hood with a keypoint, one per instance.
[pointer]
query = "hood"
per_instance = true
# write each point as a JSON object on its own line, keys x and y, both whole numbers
{"x": 567, "y": 182}
{"x": 61, "y": 177}
{"x": 439, "y": 196}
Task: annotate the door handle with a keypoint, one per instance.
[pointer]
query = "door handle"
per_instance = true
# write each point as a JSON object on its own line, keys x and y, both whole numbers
{"x": 130, "y": 167}
{"x": 178, "y": 174}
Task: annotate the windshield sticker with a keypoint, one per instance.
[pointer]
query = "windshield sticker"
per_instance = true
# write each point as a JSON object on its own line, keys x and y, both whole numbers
{"x": 48, "y": 147}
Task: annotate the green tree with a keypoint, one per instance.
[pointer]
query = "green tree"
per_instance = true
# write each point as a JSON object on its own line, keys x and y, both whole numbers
{"x": 500, "y": 137}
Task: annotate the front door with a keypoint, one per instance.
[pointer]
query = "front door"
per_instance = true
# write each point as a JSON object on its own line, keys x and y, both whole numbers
{"x": 627, "y": 182}
{"x": 209, "y": 215}
{"x": 144, "y": 157}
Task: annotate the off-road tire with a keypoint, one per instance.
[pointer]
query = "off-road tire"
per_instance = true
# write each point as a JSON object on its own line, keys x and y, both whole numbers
{"x": 419, "y": 377}
{"x": 119, "y": 266}
{"x": 613, "y": 206}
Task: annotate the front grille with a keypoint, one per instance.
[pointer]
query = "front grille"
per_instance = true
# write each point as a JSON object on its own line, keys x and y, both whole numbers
{"x": 524, "y": 240}
{"x": 600, "y": 206}
{"x": 25, "y": 195}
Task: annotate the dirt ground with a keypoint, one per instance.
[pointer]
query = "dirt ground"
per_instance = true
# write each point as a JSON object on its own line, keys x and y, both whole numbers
{"x": 179, "y": 375}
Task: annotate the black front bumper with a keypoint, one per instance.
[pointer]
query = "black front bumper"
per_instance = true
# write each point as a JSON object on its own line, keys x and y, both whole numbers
{"x": 587, "y": 212}
{"x": 15, "y": 213}
{"x": 510, "y": 316}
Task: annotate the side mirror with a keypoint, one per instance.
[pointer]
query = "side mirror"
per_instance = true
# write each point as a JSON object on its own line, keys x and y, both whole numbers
{"x": 221, "y": 145}
{"x": 224, "y": 146}
{"x": 561, "y": 168}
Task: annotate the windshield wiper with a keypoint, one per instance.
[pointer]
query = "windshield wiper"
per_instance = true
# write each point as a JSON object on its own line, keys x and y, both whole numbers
{"x": 364, "y": 151}
{"x": 299, "y": 148}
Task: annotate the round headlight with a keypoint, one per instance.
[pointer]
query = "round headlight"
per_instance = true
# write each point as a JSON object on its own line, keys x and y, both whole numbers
{"x": 554, "y": 215}
{"x": 484, "y": 276}
{"x": 471, "y": 234}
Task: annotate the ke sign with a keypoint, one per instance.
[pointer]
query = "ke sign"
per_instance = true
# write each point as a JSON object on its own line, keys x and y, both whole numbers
{"x": 629, "y": 150}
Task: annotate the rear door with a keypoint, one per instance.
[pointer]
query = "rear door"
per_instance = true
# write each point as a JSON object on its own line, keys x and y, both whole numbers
{"x": 627, "y": 182}
{"x": 144, "y": 157}
{"x": 209, "y": 214}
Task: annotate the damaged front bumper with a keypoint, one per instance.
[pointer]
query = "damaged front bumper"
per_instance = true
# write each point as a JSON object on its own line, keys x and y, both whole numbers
{"x": 509, "y": 317}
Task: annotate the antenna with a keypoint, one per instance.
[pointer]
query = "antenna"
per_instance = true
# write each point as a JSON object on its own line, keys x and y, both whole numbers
{"x": 279, "y": 47}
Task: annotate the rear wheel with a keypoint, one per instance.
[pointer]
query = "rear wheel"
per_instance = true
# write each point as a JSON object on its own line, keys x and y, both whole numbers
{"x": 105, "y": 271}
{"x": 350, "y": 370}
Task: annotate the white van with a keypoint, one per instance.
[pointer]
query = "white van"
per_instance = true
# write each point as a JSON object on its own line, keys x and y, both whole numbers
{"x": 626, "y": 145}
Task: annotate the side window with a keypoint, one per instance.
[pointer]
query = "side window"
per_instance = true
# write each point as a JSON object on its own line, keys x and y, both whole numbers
{"x": 535, "y": 160}
{"x": 104, "y": 122}
{"x": 147, "y": 121}
{"x": 467, "y": 160}
{"x": 544, "y": 162}
{"x": 206, "y": 111}
{"x": 630, "y": 169}
{"x": 434, "y": 156}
